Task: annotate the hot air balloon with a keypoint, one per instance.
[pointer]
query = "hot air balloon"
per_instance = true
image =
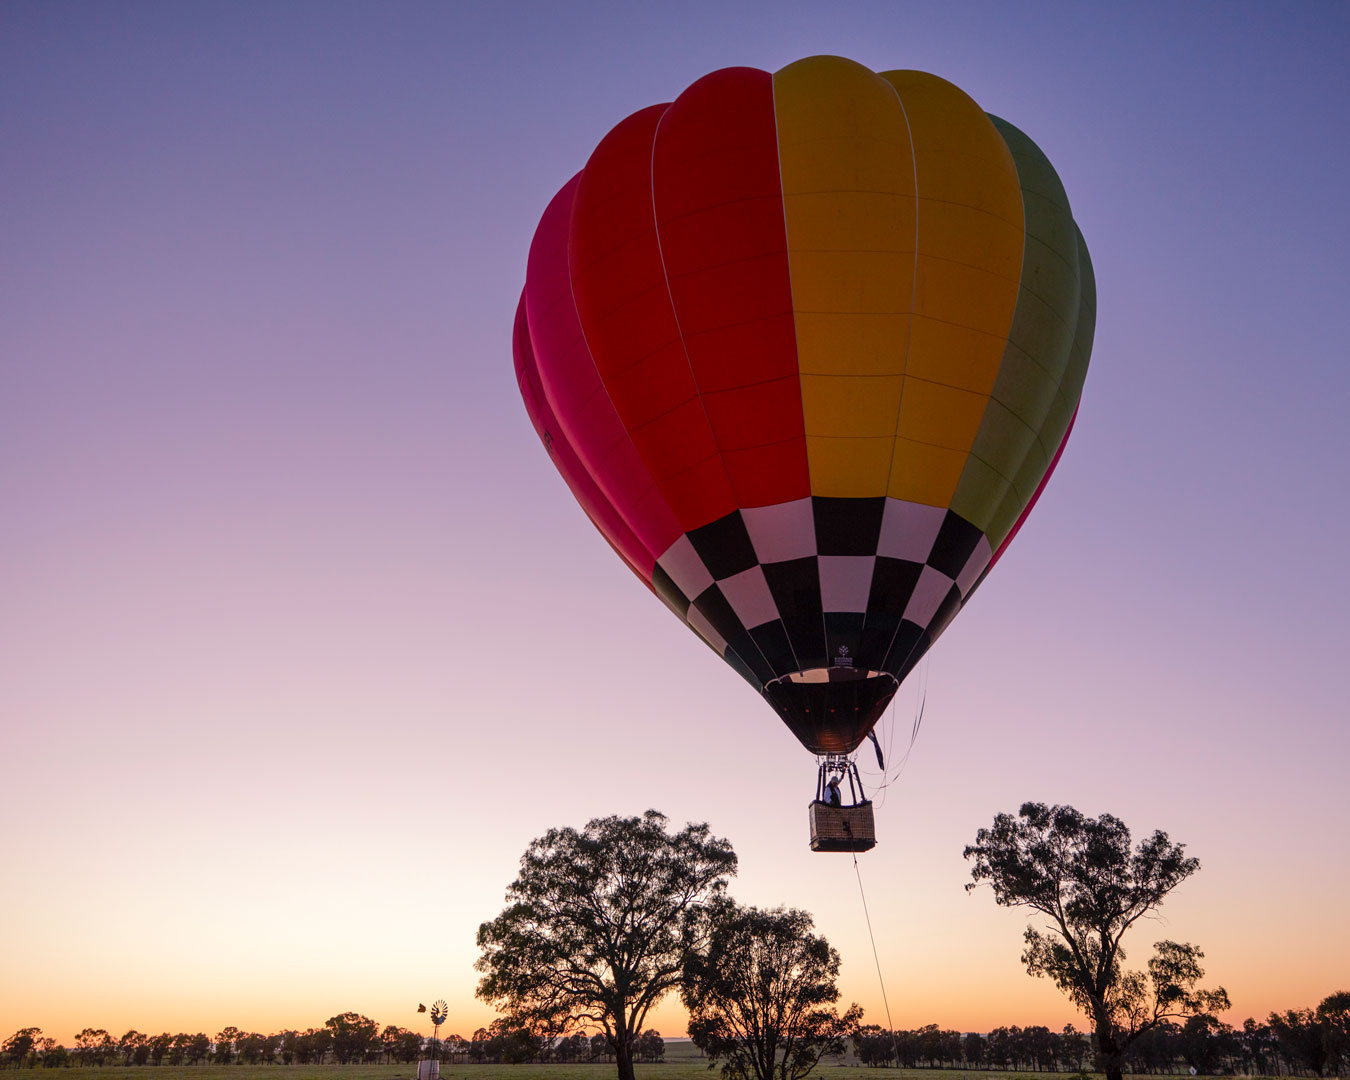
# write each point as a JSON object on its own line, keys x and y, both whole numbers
{"x": 806, "y": 347}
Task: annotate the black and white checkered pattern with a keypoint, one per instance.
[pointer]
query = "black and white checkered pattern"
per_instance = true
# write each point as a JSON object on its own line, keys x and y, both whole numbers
{"x": 823, "y": 589}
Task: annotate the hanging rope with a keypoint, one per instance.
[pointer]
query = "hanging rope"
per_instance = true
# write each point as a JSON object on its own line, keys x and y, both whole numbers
{"x": 894, "y": 775}
{"x": 890, "y": 1026}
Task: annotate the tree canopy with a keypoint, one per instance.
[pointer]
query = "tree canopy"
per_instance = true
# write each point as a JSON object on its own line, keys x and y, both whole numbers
{"x": 761, "y": 993}
{"x": 1318, "y": 1040}
{"x": 19, "y": 1045}
{"x": 597, "y": 925}
{"x": 1081, "y": 873}
{"x": 353, "y": 1035}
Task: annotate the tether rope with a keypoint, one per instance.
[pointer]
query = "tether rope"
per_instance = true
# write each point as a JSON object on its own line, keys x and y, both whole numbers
{"x": 890, "y": 1025}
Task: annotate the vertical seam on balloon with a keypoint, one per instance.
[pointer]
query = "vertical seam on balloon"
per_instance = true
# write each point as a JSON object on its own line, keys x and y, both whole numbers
{"x": 792, "y": 307}
{"x": 1052, "y": 456}
{"x": 914, "y": 278}
{"x": 581, "y": 325}
{"x": 1048, "y": 456}
{"x": 1007, "y": 339}
{"x": 674, "y": 314}
{"x": 909, "y": 332}
{"x": 1081, "y": 248}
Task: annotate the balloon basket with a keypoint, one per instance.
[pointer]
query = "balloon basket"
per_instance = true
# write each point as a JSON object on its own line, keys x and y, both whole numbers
{"x": 842, "y": 828}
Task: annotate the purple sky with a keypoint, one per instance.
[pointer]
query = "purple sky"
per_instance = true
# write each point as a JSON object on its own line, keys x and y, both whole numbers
{"x": 304, "y": 640}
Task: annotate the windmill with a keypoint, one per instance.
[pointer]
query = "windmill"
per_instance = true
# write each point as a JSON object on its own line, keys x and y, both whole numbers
{"x": 430, "y": 1069}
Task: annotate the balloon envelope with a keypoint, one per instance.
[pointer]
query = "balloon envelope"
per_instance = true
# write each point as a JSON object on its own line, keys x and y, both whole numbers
{"x": 806, "y": 347}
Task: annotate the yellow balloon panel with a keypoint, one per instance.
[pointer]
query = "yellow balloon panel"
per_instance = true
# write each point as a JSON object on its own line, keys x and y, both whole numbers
{"x": 940, "y": 415}
{"x": 929, "y": 473}
{"x": 970, "y": 241}
{"x": 849, "y": 468}
{"x": 952, "y": 354}
{"x": 874, "y": 342}
{"x": 860, "y": 406}
{"x": 848, "y": 200}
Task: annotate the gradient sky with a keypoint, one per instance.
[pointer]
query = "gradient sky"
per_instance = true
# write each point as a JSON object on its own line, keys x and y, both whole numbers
{"x": 302, "y": 639}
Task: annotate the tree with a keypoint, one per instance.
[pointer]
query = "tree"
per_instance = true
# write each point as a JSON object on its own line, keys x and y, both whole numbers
{"x": 312, "y": 1045}
{"x": 1081, "y": 874}
{"x": 253, "y": 1047}
{"x": 353, "y": 1035}
{"x": 93, "y": 1046}
{"x": 975, "y": 1049}
{"x": 1206, "y": 1044}
{"x": 453, "y": 1048}
{"x": 400, "y": 1044}
{"x": 1258, "y": 1048}
{"x": 225, "y": 1044}
{"x": 19, "y": 1045}
{"x": 513, "y": 1043}
{"x": 197, "y": 1047}
{"x": 873, "y": 1045}
{"x": 1074, "y": 1049}
{"x": 178, "y": 1049}
{"x": 389, "y": 1039}
{"x": 597, "y": 925}
{"x": 1334, "y": 1016}
{"x": 1301, "y": 1038}
{"x": 760, "y": 994}
{"x": 650, "y": 1046}
{"x": 134, "y": 1048}
{"x": 159, "y": 1046}
{"x": 1000, "y": 1048}
{"x": 1156, "y": 1050}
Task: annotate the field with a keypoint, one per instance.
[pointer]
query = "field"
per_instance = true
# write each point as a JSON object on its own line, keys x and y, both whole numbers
{"x": 682, "y": 1063}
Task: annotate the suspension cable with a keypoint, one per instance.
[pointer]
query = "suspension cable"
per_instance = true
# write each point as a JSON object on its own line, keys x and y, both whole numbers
{"x": 891, "y": 775}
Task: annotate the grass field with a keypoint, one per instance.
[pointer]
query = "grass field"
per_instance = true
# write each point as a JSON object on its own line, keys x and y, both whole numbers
{"x": 682, "y": 1063}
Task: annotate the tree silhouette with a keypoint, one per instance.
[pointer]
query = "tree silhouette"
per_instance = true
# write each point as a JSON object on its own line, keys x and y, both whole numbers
{"x": 1081, "y": 874}
{"x": 761, "y": 994}
{"x": 597, "y": 925}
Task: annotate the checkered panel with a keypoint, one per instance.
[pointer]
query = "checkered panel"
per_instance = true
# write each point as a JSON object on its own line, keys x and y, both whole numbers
{"x": 845, "y": 581}
{"x": 823, "y": 589}
{"x": 908, "y": 530}
{"x": 685, "y": 569}
{"x": 976, "y": 565}
{"x": 929, "y": 592}
{"x": 783, "y": 532}
{"x": 749, "y": 596}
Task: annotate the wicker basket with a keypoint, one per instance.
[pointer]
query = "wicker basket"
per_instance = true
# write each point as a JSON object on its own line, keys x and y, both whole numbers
{"x": 842, "y": 828}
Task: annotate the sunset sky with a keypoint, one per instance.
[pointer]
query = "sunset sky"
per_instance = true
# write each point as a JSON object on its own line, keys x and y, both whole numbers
{"x": 302, "y": 639}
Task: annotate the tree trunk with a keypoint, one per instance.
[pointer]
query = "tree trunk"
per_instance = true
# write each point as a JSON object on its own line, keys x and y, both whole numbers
{"x": 1108, "y": 1049}
{"x": 623, "y": 1055}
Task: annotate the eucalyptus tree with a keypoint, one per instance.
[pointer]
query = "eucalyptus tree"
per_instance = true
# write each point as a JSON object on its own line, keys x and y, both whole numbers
{"x": 1082, "y": 875}
{"x": 761, "y": 994}
{"x": 597, "y": 924}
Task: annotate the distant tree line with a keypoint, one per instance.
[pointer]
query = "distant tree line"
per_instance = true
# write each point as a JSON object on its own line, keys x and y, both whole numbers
{"x": 346, "y": 1039}
{"x": 1299, "y": 1042}
{"x": 504, "y": 1043}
